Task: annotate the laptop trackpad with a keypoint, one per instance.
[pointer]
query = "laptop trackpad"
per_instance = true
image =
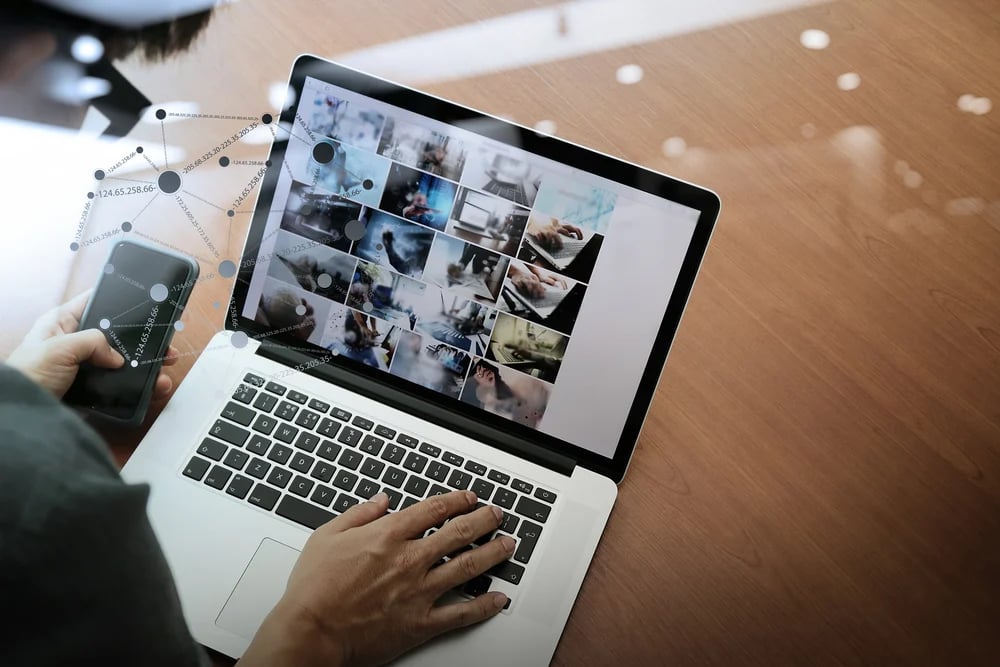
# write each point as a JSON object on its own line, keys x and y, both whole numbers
{"x": 259, "y": 589}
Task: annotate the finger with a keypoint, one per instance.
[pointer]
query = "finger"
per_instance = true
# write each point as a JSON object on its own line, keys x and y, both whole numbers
{"x": 470, "y": 564}
{"x": 360, "y": 514}
{"x": 90, "y": 345}
{"x": 453, "y": 616}
{"x": 417, "y": 518}
{"x": 461, "y": 532}
{"x": 164, "y": 385}
{"x": 172, "y": 356}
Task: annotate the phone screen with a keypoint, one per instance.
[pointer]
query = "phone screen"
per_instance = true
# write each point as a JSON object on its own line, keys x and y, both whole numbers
{"x": 138, "y": 298}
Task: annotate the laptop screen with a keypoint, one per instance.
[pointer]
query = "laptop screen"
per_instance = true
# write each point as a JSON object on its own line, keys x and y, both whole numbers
{"x": 435, "y": 256}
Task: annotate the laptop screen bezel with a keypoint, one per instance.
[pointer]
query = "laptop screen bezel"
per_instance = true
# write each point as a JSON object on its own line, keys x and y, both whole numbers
{"x": 490, "y": 127}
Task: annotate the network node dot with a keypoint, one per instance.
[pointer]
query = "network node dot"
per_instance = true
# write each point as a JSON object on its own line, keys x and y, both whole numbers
{"x": 266, "y": 119}
{"x": 216, "y": 304}
{"x": 169, "y": 182}
{"x": 367, "y": 306}
{"x": 324, "y": 280}
{"x": 239, "y": 339}
{"x": 368, "y": 184}
{"x": 90, "y": 195}
{"x": 134, "y": 364}
{"x": 105, "y": 323}
{"x": 160, "y": 114}
{"x": 223, "y": 161}
{"x": 323, "y": 152}
{"x": 74, "y": 246}
{"x": 178, "y": 326}
{"x": 354, "y": 230}
{"x": 99, "y": 174}
{"x": 159, "y": 292}
{"x": 126, "y": 226}
{"x": 300, "y": 310}
{"x": 109, "y": 268}
{"x": 138, "y": 149}
{"x": 231, "y": 213}
{"x": 227, "y": 269}
{"x": 267, "y": 164}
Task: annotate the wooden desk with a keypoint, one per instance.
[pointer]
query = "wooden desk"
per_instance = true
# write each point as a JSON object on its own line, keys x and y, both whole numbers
{"x": 818, "y": 481}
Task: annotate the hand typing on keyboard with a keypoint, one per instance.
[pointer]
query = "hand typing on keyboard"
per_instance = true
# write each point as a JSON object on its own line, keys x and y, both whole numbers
{"x": 550, "y": 237}
{"x": 365, "y": 587}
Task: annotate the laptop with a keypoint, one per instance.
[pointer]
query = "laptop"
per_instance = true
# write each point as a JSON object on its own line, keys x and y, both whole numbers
{"x": 272, "y": 432}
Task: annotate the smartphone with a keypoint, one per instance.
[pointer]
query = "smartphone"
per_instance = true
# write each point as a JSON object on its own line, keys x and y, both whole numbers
{"x": 139, "y": 298}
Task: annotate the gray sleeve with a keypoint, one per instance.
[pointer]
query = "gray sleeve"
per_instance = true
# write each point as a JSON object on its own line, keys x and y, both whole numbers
{"x": 81, "y": 572}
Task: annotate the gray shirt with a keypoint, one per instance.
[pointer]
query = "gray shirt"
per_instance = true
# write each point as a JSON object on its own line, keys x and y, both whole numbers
{"x": 82, "y": 577}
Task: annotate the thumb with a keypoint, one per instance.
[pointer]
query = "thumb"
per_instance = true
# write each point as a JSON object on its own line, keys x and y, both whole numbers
{"x": 361, "y": 514}
{"x": 91, "y": 345}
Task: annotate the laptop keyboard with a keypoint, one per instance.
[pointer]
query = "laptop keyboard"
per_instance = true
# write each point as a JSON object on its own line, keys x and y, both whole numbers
{"x": 308, "y": 461}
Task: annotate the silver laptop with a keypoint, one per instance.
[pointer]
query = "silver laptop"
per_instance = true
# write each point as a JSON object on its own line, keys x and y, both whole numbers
{"x": 324, "y": 390}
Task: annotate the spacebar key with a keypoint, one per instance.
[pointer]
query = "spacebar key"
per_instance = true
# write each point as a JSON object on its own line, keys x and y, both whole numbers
{"x": 306, "y": 514}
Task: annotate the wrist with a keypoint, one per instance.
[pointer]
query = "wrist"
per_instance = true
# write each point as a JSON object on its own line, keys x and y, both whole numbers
{"x": 292, "y": 636}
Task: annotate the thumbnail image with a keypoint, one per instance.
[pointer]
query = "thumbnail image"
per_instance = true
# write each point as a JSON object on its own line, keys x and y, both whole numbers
{"x": 507, "y": 393}
{"x": 361, "y": 337}
{"x": 503, "y": 171}
{"x": 527, "y": 347}
{"x": 466, "y": 269}
{"x": 541, "y": 296}
{"x": 289, "y": 311}
{"x": 576, "y": 203}
{"x": 456, "y": 321}
{"x": 417, "y": 196}
{"x": 561, "y": 246}
{"x": 422, "y": 148}
{"x": 348, "y": 171}
{"x": 430, "y": 364}
{"x": 319, "y": 217}
{"x": 344, "y": 121}
{"x": 312, "y": 266}
{"x": 491, "y": 222}
{"x": 401, "y": 245}
{"x": 389, "y": 296}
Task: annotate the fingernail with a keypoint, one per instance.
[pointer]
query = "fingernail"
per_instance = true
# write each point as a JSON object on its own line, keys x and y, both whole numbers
{"x": 508, "y": 543}
{"x": 471, "y": 497}
{"x": 499, "y": 600}
{"x": 498, "y": 513}
{"x": 378, "y": 497}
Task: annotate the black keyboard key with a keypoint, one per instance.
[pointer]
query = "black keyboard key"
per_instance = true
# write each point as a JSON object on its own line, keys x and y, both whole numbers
{"x": 453, "y": 459}
{"x": 372, "y": 468}
{"x": 344, "y": 502}
{"x": 407, "y": 440}
{"x": 509, "y": 523}
{"x": 236, "y": 459}
{"x": 239, "y": 486}
{"x": 504, "y": 498}
{"x": 275, "y": 388}
{"x": 533, "y": 509}
{"x": 318, "y": 405}
{"x": 459, "y": 479}
{"x": 286, "y": 433}
{"x": 212, "y": 449}
{"x": 301, "y": 486}
{"x": 196, "y": 468}
{"x": 477, "y": 586}
{"x": 366, "y": 489}
{"x": 362, "y": 423}
{"x": 280, "y": 453}
{"x": 430, "y": 450}
{"x": 244, "y": 393}
{"x": 393, "y": 453}
{"x": 349, "y": 436}
{"x": 258, "y": 468}
{"x": 394, "y": 477}
{"x": 511, "y": 572}
{"x": 351, "y": 459}
{"x": 499, "y": 477}
{"x": 341, "y": 414}
{"x": 217, "y": 477}
{"x": 345, "y": 480}
{"x": 297, "y": 396}
{"x": 415, "y": 462}
{"x": 529, "y": 534}
{"x": 258, "y": 445}
{"x": 279, "y": 477}
{"x": 286, "y": 411}
{"x": 263, "y": 496}
{"x": 394, "y": 498}
{"x": 385, "y": 432}
{"x": 301, "y": 462}
{"x": 265, "y": 402}
{"x": 438, "y": 490}
{"x": 438, "y": 471}
{"x": 307, "y": 419}
{"x": 231, "y": 433}
{"x": 482, "y": 489}
{"x": 302, "y": 512}
{"x": 328, "y": 427}
{"x": 407, "y": 501}
{"x": 323, "y": 495}
{"x": 416, "y": 486}
{"x": 371, "y": 445}
{"x": 306, "y": 441}
{"x": 323, "y": 471}
{"x": 475, "y": 468}
{"x": 521, "y": 486}
{"x": 255, "y": 380}
{"x": 328, "y": 450}
{"x": 547, "y": 496}
{"x": 240, "y": 414}
{"x": 264, "y": 424}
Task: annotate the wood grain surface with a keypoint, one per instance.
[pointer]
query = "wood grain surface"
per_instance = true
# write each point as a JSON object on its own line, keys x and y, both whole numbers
{"x": 818, "y": 482}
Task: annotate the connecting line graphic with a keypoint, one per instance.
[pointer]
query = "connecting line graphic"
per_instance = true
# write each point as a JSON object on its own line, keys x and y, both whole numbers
{"x": 163, "y": 133}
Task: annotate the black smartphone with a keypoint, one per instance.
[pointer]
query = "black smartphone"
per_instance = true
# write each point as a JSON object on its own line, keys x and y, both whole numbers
{"x": 138, "y": 300}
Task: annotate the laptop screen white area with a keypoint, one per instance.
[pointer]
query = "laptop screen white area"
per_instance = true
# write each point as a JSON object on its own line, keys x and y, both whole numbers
{"x": 523, "y": 287}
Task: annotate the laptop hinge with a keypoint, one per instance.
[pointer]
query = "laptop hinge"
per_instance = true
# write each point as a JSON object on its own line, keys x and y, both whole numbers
{"x": 417, "y": 407}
